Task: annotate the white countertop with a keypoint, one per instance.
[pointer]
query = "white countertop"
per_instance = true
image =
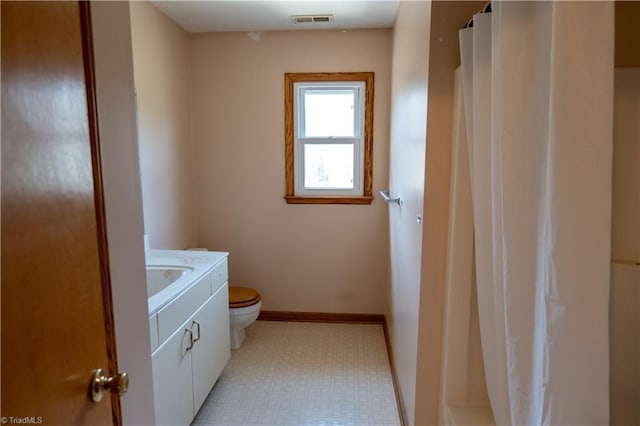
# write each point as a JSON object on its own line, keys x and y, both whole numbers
{"x": 201, "y": 261}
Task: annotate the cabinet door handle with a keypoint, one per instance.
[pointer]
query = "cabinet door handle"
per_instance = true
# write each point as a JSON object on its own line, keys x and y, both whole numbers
{"x": 188, "y": 330}
{"x": 198, "y": 324}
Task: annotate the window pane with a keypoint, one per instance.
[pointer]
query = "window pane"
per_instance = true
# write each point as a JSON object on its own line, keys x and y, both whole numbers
{"x": 328, "y": 166}
{"x": 329, "y": 113}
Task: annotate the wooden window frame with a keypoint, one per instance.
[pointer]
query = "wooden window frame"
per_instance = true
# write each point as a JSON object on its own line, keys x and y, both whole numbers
{"x": 367, "y": 173}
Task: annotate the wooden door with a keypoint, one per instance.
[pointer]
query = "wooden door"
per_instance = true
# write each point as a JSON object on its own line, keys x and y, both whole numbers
{"x": 57, "y": 324}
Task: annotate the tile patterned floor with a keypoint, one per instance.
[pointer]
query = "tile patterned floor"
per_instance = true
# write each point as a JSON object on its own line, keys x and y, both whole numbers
{"x": 289, "y": 373}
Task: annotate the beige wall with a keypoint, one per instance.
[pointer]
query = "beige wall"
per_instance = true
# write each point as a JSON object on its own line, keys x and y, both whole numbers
{"x": 406, "y": 180}
{"x": 323, "y": 258}
{"x": 624, "y": 313}
{"x": 625, "y": 229}
{"x": 162, "y": 78}
{"x": 123, "y": 204}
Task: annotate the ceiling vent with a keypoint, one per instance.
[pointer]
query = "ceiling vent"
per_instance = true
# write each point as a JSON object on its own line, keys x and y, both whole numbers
{"x": 311, "y": 19}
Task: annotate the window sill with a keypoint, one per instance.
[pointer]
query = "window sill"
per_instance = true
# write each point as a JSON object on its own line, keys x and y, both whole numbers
{"x": 296, "y": 199}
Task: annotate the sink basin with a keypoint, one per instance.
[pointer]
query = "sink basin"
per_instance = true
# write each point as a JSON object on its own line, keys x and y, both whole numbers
{"x": 160, "y": 277}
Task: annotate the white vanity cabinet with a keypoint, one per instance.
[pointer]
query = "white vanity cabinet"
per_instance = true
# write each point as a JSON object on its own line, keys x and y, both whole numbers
{"x": 210, "y": 352}
{"x": 187, "y": 364}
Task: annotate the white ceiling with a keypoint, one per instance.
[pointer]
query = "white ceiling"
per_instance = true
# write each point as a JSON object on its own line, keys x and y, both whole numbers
{"x": 270, "y": 15}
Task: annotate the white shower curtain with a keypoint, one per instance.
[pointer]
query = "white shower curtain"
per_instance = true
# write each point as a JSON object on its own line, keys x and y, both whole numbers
{"x": 538, "y": 92}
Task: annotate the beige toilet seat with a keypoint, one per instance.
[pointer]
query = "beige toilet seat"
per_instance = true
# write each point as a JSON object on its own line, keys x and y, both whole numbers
{"x": 241, "y": 297}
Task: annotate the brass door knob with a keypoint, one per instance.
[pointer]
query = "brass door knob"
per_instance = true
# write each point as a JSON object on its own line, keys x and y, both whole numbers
{"x": 118, "y": 383}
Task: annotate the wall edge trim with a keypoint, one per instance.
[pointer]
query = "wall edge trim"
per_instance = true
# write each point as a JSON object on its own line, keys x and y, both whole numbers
{"x": 402, "y": 412}
{"x": 321, "y": 317}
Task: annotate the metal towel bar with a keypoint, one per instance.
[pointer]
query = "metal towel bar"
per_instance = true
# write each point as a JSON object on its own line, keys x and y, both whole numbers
{"x": 385, "y": 196}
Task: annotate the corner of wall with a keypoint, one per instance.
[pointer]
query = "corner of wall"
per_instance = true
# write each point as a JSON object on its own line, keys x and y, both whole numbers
{"x": 164, "y": 123}
{"x": 123, "y": 203}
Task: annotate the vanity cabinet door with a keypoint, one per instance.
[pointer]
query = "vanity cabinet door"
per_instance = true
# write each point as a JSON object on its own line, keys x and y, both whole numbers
{"x": 212, "y": 350}
{"x": 172, "y": 379}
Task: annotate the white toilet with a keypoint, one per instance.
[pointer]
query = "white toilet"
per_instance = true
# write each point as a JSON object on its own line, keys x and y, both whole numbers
{"x": 244, "y": 308}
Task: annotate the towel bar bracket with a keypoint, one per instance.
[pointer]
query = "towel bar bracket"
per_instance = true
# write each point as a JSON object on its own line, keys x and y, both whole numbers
{"x": 385, "y": 196}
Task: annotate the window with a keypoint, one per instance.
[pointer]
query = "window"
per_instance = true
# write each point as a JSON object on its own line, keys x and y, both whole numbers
{"x": 328, "y": 138}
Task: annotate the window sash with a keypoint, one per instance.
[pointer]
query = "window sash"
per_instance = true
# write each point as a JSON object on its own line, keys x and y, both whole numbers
{"x": 358, "y": 167}
{"x": 358, "y": 88}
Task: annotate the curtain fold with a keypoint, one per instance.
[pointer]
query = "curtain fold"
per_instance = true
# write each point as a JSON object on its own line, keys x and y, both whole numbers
{"x": 538, "y": 91}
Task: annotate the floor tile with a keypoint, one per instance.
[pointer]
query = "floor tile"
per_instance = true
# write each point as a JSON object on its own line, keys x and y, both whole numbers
{"x": 294, "y": 373}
